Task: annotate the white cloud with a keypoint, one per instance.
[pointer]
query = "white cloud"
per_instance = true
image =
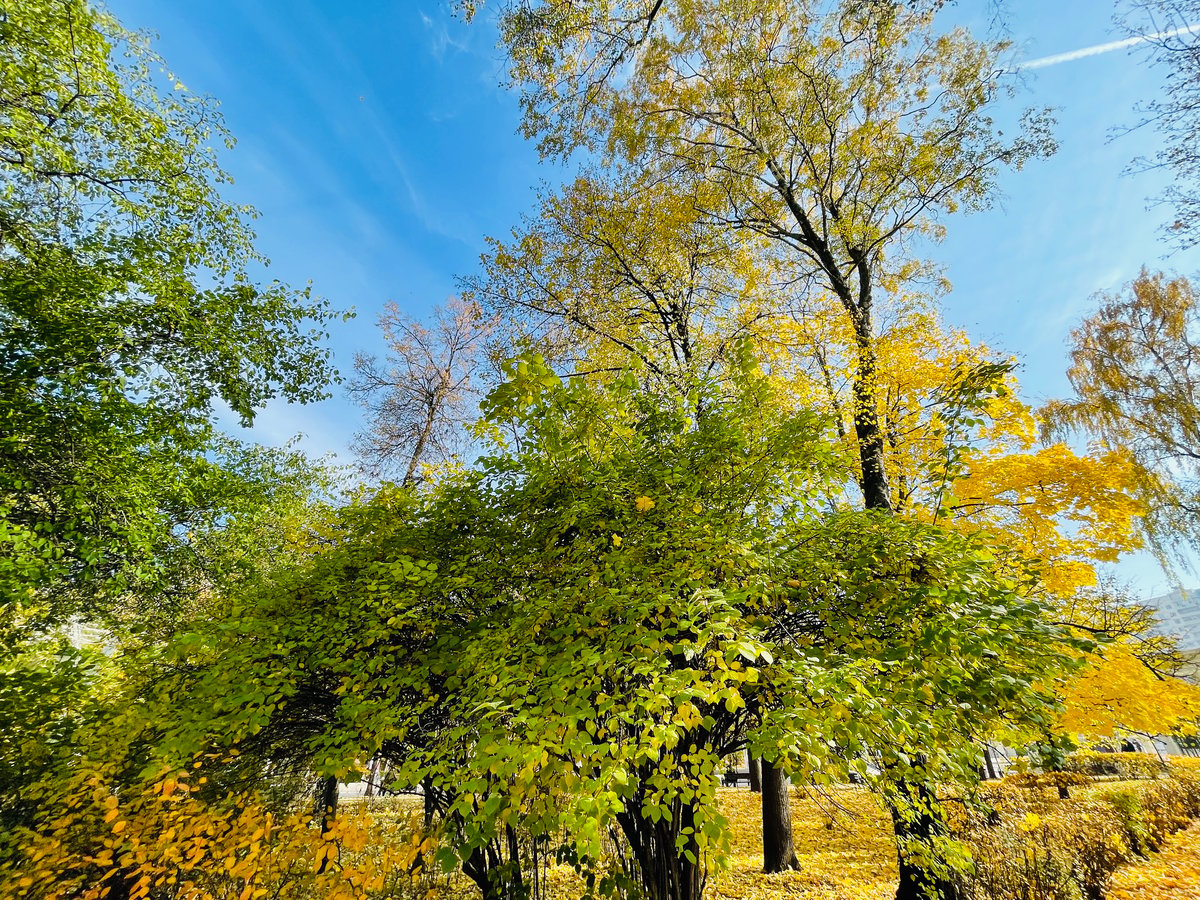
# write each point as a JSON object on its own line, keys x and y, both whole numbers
{"x": 441, "y": 39}
{"x": 1097, "y": 49}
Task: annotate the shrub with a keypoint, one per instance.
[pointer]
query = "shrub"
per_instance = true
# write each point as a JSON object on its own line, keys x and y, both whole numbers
{"x": 1028, "y": 845}
{"x": 1124, "y": 766}
{"x": 1060, "y": 782}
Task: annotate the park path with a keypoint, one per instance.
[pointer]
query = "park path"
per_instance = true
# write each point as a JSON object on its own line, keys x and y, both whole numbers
{"x": 1173, "y": 874}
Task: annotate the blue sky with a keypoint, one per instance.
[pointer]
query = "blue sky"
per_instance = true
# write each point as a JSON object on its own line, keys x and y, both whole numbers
{"x": 377, "y": 142}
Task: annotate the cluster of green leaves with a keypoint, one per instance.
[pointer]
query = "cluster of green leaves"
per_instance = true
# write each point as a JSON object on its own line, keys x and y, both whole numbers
{"x": 569, "y": 637}
{"x": 103, "y": 150}
{"x": 127, "y": 313}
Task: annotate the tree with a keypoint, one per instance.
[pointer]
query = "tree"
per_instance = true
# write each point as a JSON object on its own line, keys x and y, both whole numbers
{"x": 1133, "y": 369}
{"x": 779, "y": 854}
{"x": 127, "y": 313}
{"x": 1166, "y": 25}
{"x": 620, "y": 269}
{"x": 566, "y": 640}
{"x": 418, "y": 400}
{"x": 96, "y": 157}
{"x": 837, "y": 133}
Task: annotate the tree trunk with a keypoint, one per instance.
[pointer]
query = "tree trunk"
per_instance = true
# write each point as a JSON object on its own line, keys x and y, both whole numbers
{"x": 755, "y": 767}
{"x": 428, "y": 804}
{"x": 923, "y": 826}
{"x": 371, "y": 774}
{"x": 326, "y": 809}
{"x": 915, "y": 882}
{"x": 666, "y": 872}
{"x": 327, "y": 802}
{"x": 496, "y": 868}
{"x": 989, "y": 765}
{"x": 410, "y": 476}
{"x": 866, "y": 420}
{"x": 779, "y": 855}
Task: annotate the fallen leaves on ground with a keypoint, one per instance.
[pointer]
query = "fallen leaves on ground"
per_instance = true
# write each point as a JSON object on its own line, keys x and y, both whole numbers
{"x": 842, "y": 839}
{"x": 1173, "y": 874}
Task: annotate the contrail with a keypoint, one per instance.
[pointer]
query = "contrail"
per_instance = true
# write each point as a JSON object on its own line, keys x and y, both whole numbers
{"x": 1073, "y": 55}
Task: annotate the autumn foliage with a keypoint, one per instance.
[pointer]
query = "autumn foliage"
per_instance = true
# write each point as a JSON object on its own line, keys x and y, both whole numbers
{"x": 735, "y": 487}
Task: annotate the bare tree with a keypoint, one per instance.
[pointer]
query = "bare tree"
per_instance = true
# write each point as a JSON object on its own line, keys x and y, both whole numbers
{"x": 419, "y": 396}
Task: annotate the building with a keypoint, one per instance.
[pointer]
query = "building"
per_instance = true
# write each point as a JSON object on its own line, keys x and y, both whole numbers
{"x": 1178, "y": 615}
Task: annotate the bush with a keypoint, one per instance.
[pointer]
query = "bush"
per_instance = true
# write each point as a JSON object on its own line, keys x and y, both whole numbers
{"x": 1123, "y": 766}
{"x": 1060, "y": 782}
{"x": 1028, "y": 845}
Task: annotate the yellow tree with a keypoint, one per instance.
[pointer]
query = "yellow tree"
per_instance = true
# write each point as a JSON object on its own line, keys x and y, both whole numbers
{"x": 1134, "y": 368}
{"x": 963, "y": 450}
{"x": 1132, "y": 684}
{"x": 621, "y": 269}
{"x": 1120, "y": 692}
{"x": 838, "y": 132}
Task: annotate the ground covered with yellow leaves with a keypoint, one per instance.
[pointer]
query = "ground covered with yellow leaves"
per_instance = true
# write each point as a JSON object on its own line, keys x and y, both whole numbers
{"x": 1172, "y": 874}
{"x": 844, "y": 845}
{"x": 842, "y": 839}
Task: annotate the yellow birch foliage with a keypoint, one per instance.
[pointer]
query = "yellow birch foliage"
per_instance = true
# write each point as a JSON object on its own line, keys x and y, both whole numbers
{"x": 1133, "y": 365}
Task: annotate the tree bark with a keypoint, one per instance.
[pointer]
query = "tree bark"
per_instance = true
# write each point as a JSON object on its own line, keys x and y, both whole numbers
{"x": 371, "y": 774}
{"x": 876, "y": 494}
{"x": 428, "y": 805}
{"x": 419, "y": 450}
{"x": 496, "y": 868}
{"x": 327, "y": 803}
{"x": 755, "y": 767}
{"x": 779, "y": 854}
{"x": 917, "y": 882}
{"x": 666, "y": 872}
{"x": 989, "y": 766}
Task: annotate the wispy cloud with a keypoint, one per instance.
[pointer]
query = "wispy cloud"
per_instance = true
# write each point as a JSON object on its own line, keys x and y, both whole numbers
{"x": 1097, "y": 49}
{"x": 440, "y": 38}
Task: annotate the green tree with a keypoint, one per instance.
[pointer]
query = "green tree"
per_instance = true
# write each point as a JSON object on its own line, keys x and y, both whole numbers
{"x": 568, "y": 639}
{"x": 839, "y": 132}
{"x": 127, "y": 314}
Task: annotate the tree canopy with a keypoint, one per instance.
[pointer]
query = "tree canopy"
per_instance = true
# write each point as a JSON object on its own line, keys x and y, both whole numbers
{"x": 1133, "y": 371}
{"x": 666, "y": 596}
{"x": 128, "y": 315}
{"x": 739, "y": 487}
